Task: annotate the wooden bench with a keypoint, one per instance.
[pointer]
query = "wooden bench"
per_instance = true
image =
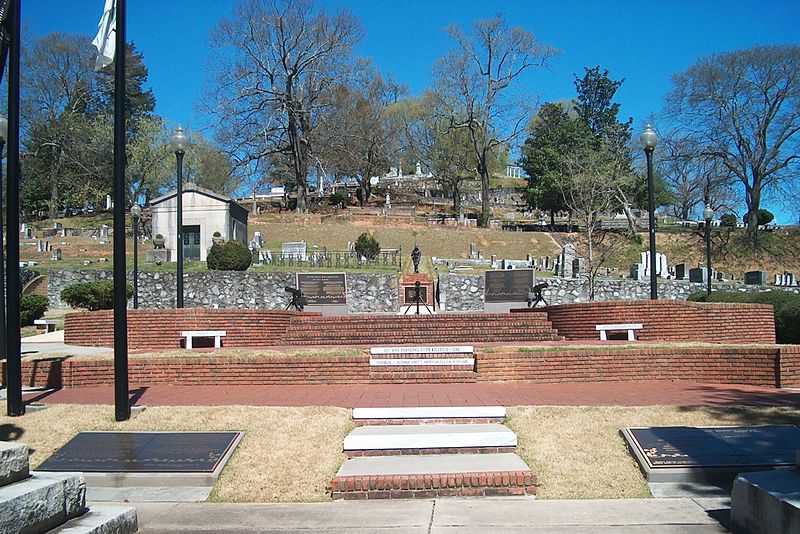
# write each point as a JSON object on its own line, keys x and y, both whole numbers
{"x": 631, "y": 328}
{"x": 216, "y": 334}
{"x": 48, "y": 325}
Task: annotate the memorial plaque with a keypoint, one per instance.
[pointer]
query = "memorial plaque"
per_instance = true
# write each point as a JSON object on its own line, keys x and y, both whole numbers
{"x": 715, "y": 447}
{"x": 137, "y": 452}
{"x": 508, "y": 286}
{"x": 410, "y": 291}
{"x": 323, "y": 289}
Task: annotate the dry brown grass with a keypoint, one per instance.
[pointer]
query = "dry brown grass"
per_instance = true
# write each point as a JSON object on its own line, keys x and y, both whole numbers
{"x": 578, "y": 453}
{"x": 287, "y": 454}
{"x": 291, "y": 454}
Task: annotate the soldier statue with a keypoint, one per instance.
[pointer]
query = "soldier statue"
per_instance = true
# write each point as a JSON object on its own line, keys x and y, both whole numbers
{"x": 415, "y": 256}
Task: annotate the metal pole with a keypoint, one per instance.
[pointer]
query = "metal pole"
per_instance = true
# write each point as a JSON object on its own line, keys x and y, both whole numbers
{"x": 179, "y": 302}
{"x": 135, "y": 263}
{"x": 122, "y": 409}
{"x": 13, "y": 348}
{"x": 2, "y": 262}
{"x": 651, "y": 217}
{"x": 708, "y": 256}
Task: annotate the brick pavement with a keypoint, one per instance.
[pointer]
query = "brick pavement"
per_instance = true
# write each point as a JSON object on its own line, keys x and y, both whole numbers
{"x": 458, "y": 394}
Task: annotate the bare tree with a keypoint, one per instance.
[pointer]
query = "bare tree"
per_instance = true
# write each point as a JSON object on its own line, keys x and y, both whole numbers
{"x": 474, "y": 81}
{"x": 743, "y": 108}
{"x": 589, "y": 185}
{"x": 274, "y": 62}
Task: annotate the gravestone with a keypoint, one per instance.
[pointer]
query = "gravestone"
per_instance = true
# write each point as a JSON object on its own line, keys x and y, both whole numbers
{"x": 23, "y": 228}
{"x": 755, "y": 278}
{"x": 58, "y": 226}
{"x": 578, "y": 267}
{"x": 28, "y": 232}
{"x": 258, "y": 238}
{"x": 637, "y": 271}
{"x": 109, "y": 204}
{"x": 698, "y": 275}
{"x": 473, "y": 251}
{"x": 568, "y": 255}
{"x": 680, "y": 271}
{"x": 40, "y": 245}
{"x": 157, "y": 256}
{"x": 56, "y": 255}
{"x": 296, "y": 250}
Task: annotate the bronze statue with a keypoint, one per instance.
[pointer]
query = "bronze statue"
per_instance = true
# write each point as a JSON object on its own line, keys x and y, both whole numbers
{"x": 415, "y": 256}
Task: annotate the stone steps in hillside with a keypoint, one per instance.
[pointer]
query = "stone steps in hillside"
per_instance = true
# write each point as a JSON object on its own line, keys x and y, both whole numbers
{"x": 441, "y": 475}
{"x": 429, "y": 439}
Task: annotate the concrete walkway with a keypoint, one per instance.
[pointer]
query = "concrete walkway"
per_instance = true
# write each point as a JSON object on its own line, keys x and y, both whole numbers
{"x": 441, "y": 516}
{"x": 461, "y": 394}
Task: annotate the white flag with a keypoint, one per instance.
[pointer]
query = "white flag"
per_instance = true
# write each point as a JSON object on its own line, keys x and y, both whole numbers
{"x": 106, "y": 41}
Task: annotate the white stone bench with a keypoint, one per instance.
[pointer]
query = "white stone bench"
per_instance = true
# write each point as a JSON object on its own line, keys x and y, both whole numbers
{"x": 216, "y": 334}
{"x": 631, "y": 327}
{"x": 49, "y": 325}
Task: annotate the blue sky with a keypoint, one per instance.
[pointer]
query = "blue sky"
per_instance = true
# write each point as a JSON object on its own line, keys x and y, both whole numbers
{"x": 643, "y": 42}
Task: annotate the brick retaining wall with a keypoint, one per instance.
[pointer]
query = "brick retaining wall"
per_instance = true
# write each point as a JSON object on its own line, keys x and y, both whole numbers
{"x": 770, "y": 366}
{"x": 667, "y": 320}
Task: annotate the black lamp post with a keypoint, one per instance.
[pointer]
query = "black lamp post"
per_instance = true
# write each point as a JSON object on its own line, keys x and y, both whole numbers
{"x": 708, "y": 214}
{"x": 179, "y": 141}
{"x": 3, "y": 135}
{"x": 649, "y": 140}
{"x": 136, "y": 213}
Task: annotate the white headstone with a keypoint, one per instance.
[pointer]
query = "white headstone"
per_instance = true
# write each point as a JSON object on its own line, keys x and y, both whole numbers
{"x": 108, "y": 202}
{"x": 295, "y": 250}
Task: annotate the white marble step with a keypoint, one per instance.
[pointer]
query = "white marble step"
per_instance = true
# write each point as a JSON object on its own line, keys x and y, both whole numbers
{"x": 102, "y": 519}
{"x": 431, "y": 412}
{"x": 433, "y": 464}
{"x": 429, "y": 437}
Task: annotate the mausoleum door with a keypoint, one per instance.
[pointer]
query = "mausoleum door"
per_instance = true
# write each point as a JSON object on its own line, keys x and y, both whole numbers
{"x": 191, "y": 243}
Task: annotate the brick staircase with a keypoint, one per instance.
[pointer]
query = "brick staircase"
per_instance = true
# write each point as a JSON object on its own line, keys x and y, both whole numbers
{"x": 34, "y": 502}
{"x": 416, "y": 329}
{"x": 400, "y": 453}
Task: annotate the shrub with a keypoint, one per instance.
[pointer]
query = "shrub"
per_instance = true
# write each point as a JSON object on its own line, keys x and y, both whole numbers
{"x": 216, "y": 234}
{"x": 340, "y": 197}
{"x": 785, "y": 304}
{"x": 367, "y": 246}
{"x": 728, "y": 220}
{"x": 31, "y": 307}
{"x": 230, "y": 256}
{"x": 762, "y": 216}
{"x": 93, "y": 295}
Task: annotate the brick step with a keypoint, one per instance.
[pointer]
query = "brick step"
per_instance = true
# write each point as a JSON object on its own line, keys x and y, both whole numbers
{"x": 428, "y": 476}
{"x": 478, "y": 316}
{"x": 418, "y": 438}
{"x": 422, "y": 377}
{"x": 428, "y": 415}
{"x": 454, "y": 338}
{"x": 427, "y": 328}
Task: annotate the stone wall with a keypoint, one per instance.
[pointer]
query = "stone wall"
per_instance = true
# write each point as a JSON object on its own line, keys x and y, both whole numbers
{"x": 366, "y": 292}
{"x": 464, "y": 292}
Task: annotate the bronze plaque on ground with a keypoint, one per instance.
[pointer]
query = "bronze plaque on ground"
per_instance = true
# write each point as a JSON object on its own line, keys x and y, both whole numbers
{"x": 511, "y": 285}
{"x": 729, "y": 446}
{"x": 322, "y": 289}
{"x": 138, "y": 452}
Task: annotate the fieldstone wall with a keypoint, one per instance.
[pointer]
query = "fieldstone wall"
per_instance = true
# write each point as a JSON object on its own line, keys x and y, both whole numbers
{"x": 372, "y": 293}
{"x": 460, "y": 292}
{"x": 366, "y": 292}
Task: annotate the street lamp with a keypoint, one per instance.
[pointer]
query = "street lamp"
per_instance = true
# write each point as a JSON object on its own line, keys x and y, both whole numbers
{"x": 708, "y": 214}
{"x": 3, "y": 137}
{"x": 649, "y": 140}
{"x": 179, "y": 142}
{"x": 136, "y": 213}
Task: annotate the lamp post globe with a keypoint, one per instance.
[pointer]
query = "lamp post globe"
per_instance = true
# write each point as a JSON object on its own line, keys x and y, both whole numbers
{"x": 649, "y": 140}
{"x": 708, "y": 215}
{"x": 179, "y": 142}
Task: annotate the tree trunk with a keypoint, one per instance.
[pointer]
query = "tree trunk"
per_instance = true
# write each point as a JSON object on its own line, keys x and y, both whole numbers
{"x": 485, "y": 210}
{"x": 753, "y": 204}
{"x": 456, "y": 198}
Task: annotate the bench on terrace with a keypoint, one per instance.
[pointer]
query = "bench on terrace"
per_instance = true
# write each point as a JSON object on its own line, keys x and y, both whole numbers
{"x": 48, "y": 325}
{"x": 191, "y": 334}
{"x": 630, "y": 327}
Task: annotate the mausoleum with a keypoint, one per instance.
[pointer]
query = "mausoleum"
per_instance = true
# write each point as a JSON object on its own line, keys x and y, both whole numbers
{"x": 204, "y": 212}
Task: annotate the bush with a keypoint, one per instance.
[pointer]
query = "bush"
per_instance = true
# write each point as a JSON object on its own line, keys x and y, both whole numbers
{"x": 367, "y": 246}
{"x": 785, "y": 304}
{"x": 230, "y": 256}
{"x": 93, "y": 296}
{"x": 216, "y": 234}
{"x": 728, "y": 220}
{"x": 31, "y": 307}
{"x": 763, "y": 217}
{"x": 340, "y": 197}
